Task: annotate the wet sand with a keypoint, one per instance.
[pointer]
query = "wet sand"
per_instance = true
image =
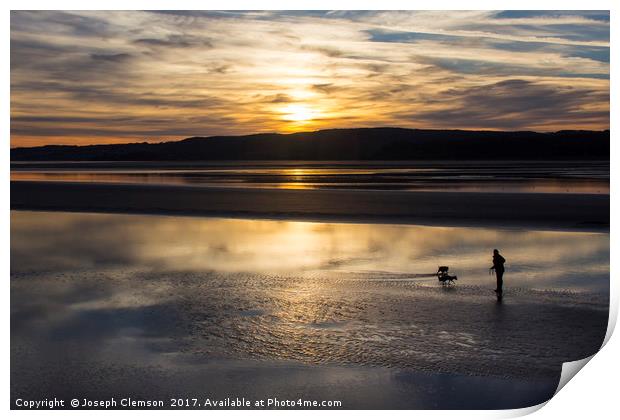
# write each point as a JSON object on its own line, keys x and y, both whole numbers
{"x": 146, "y": 307}
{"x": 561, "y": 211}
{"x": 160, "y": 307}
{"x": 151, "y": 333}
{"x": 354, "y": 387}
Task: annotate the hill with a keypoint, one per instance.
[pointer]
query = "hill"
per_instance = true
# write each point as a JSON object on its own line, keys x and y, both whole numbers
{"x": 347, "y": 144}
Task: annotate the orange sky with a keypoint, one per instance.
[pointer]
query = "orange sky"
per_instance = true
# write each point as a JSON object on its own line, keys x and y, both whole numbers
{"x": 108, "y": 77}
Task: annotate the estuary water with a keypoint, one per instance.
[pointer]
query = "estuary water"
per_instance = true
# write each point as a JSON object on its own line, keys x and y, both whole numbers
{"x": 466, "y": 176}
{"x": 154, "y": 306}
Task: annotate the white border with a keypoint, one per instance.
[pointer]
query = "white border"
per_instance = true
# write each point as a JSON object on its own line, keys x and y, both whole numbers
{"x": 593, "y": 394}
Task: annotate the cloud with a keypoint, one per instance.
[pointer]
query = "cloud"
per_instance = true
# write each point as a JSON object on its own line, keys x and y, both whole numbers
{"x": 278, "y": 98}
{"x": 326, "y": 88}
{"x": 515, "y": 104}
{"x": 111, "y": 75}
{"x": 601, "y": 15}
{"x": 65, "y": 23}
{"x": 114, "y": 58}
{"x": 175, "y": 41}
{"x": 495, "y": 68}
{"x": 325, "y": 50}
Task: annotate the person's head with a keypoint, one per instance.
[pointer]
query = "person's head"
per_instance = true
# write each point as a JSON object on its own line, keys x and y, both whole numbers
{"x": 495, "y": 252}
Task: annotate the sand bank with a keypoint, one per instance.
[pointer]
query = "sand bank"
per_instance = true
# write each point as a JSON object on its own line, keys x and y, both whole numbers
{"x": 148, "y": 334}
{"x": 152, "y": 308}
{"x": 561, "y": 211}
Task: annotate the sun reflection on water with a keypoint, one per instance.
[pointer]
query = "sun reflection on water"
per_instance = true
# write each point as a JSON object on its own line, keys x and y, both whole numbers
{"x": 317, "y": 293}
{"x": 535, "y": 258}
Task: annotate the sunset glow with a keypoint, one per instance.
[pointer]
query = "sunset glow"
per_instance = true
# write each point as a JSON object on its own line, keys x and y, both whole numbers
{"x": 119, "y": 76}
{"x": 299, "y": 113}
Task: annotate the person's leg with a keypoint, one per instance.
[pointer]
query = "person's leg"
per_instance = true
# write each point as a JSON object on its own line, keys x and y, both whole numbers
{"x": 500, "y": 281}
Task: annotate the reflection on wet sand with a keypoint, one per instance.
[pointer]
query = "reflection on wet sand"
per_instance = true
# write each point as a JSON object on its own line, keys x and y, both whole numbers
{"x": 538, "y": 259}
{"x": 541, "y": 177}
{"x": 165, "y": 303}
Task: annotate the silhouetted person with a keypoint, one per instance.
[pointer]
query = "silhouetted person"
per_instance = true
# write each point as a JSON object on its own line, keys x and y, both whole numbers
{"x": 498, "y": 266}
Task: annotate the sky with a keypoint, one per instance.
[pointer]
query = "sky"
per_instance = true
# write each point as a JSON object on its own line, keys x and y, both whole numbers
{"x": 93, "y": 77}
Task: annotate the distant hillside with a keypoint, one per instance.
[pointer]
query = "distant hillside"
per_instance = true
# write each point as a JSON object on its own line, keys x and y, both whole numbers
{"x": 347, "y": 144}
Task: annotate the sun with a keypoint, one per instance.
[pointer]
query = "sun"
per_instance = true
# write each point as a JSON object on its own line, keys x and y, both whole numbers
{"x": 298, "y": 113}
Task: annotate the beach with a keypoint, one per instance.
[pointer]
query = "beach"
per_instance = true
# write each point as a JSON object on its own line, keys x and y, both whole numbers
{"x": 309, "y": 283}
{"x": 550, "y": 210}
{"x": 161, "y": 307}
